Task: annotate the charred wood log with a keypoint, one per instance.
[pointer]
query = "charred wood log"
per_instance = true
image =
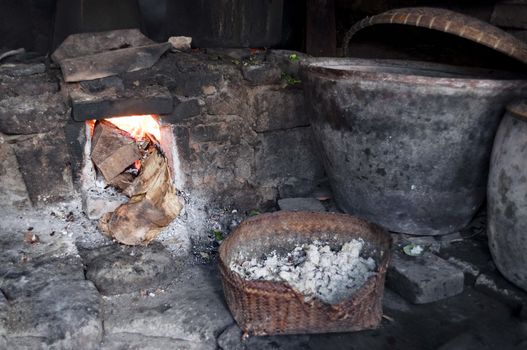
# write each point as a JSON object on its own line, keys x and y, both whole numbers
{"x": 113, "y": 150}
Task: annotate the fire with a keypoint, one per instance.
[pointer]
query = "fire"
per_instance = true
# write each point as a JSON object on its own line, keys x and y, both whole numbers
{"x": 138, "y": 125}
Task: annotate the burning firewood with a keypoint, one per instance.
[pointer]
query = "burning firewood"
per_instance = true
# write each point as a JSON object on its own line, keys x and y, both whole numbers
{"x": 113, "y": 150}
{"x": 122, "y": 181}
{"x": 153, "y": 204}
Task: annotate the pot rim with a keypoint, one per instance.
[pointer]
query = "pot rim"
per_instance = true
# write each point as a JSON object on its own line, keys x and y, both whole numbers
{"x": 412, "y": 72}
{"x": 518, "y": 109}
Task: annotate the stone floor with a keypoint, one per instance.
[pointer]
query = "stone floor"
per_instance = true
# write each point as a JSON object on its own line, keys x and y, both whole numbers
{"x": 62, "y": 286}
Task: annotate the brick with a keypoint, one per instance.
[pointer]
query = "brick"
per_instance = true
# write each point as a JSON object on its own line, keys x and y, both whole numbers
{"x": 424, "y": 279}
{"x": 279, "y": 110}
{"x": 182, "y": 111}
{"x": 116, "y": 269}
{"x": 262, "y": 74}
{"x": 32, "y": 114}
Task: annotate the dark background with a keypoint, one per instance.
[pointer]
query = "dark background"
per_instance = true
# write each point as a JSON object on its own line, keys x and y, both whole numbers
{"x": 41, "y": 25}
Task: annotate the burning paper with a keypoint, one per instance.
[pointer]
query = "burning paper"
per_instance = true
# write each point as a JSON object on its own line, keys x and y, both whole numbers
{"x": 153, "y": 202}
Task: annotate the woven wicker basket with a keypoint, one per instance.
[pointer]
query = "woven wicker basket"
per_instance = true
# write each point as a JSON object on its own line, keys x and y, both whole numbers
{"x": 266, "y": 308}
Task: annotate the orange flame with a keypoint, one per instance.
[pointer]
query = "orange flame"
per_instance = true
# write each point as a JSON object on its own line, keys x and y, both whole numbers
{"x": 138, "y": 125}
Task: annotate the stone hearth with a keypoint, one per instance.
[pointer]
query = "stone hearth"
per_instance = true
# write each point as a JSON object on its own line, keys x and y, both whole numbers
{"x": 241, "y": 136}
{"x": 241, "y": 145}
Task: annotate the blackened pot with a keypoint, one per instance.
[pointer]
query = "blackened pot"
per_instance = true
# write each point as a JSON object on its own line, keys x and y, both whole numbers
{"x": 507, "y": 196}
{"x": 407, "y": 144}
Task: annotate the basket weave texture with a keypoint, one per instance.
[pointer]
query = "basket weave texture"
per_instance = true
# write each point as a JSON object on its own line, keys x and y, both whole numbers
{"x": 267, "y": 307}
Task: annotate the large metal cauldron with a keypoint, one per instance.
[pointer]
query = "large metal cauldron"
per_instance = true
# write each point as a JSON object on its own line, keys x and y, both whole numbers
{"x": 507, "y": 196}
{"x": 407, "y": 144}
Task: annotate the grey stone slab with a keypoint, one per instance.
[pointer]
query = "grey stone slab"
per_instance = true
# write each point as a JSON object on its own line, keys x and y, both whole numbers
{"x": 13, "y": 189}
{"x": 262, "y": 74}
{"x": 184, "y": 74}
{"x": 279, "y": 109}
{"x": 423, "y": 279}
{"x": 233, "y": 100}
{"x": 33, "y": 114}
{"x": 44, "y": 162}
{"x": 88, "y": 56}
{"x": 192, "y": 309}
{"x": 116, "y": 100}
{"x": 20, "y": 279}
{"x": 25, "y": 342}
{"x": 226, "y": 130}
{"x": 39, "y": 84}
{"x": 300, "y": 204}
{"x": 117, "y": 269}
{"x": 63, "y": 315}
{"x": 83, "y": 44}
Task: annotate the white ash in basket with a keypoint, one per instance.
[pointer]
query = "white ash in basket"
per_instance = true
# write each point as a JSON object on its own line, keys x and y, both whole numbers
{"x": 313, "y": 269}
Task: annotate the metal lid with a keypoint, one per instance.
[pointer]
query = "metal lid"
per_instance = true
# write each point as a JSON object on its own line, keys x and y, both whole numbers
{"x": 448, "y": 22}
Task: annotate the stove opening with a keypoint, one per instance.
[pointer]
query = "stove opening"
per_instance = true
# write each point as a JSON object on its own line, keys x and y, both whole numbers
{"x": 128, "y": 182}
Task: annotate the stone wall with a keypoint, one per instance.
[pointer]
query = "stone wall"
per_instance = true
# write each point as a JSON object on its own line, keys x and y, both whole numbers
{"x": 33, "y": 116}
{"x": 242, "y": 138}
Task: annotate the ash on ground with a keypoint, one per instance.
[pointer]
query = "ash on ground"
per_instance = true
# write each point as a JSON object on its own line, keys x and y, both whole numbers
{"x": 313, "y": 269}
